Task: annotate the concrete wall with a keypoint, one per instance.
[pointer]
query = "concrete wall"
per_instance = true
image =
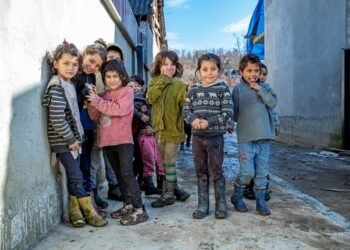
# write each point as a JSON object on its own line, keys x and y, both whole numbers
{"x": 30, "y": 193}
{"x": 304, "y": 41}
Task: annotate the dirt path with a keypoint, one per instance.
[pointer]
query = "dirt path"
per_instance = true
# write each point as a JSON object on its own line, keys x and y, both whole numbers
{"x": 294, "y": 223}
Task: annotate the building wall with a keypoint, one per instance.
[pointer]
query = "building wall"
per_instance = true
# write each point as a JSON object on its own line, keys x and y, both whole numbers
{"x": 304, "y": 41}
{"x": 30, "y": 190}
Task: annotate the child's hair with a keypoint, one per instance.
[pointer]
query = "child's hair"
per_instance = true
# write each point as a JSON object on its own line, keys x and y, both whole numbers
{"x": 118, "y": 67}
{"x": 263, "y": 66}
{"x": 209, "y": 57}
{"x": 101, "y": 42}
{"x": 64, "y": 48}
{"x": 159, "y": 60}
{"x": 96, "y": 48}
{"x": 137, "y": 79}
{"x": 249, "y": 58}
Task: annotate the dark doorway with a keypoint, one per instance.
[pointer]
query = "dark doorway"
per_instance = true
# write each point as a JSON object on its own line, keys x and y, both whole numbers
{"x": 346, "y": 100}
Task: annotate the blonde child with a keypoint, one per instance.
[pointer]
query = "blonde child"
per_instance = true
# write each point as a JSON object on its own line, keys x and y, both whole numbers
{"x": 114, "y": 110}
{"x": 166, "y": 93}
{"x": 208, "y": 107}
{"x": 65, "y": 132}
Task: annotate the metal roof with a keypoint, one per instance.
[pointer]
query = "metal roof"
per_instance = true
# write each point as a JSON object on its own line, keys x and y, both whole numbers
{"x": 141, "y": 7}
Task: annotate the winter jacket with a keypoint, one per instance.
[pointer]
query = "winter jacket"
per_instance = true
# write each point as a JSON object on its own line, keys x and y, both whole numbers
{"x": 167, "y": 97}
{"x": 114, "y": 113}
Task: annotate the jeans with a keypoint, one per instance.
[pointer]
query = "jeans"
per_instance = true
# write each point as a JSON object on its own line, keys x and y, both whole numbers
{"x": 120, "y": 157}
{"x": 253, "y": 160}
{"x": 74, "y": 174}
{"x": 208, "y": 156}
{"x": 150, "y": 156}
{"x": 85, "y": 159}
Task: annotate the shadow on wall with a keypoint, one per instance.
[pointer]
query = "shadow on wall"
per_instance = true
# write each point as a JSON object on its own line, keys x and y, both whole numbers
{"x": 31, "y": 195}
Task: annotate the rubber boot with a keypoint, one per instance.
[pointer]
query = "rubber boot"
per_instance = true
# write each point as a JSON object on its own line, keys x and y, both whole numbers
{"x": 203, "y": 199}
{"x": 220, "y": 198}
{"x": 260, "y": 202}
{"x": 75, "y": 216}
{"x": 114, "y": 193}
{"x": 167, "y": 197}
{"x": 90, "y": 215}
{"x": 181, "y": 194}
{"x": 237, "y": 199}
{"x": 98, "y": 200}
{"x": 249, "y": 191}
{"x": 149, "y": 186}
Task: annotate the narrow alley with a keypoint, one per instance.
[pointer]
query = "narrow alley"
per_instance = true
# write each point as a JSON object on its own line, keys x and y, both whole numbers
{"x": 310, "y": 210}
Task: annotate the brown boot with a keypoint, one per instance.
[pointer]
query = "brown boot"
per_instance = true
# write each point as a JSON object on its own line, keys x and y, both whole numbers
{"x": 75, "y": 216}
{"x": 91, "y": 217}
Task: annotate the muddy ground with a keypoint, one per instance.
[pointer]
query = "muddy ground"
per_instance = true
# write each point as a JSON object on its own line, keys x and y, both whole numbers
{"x": 303, "y": 215}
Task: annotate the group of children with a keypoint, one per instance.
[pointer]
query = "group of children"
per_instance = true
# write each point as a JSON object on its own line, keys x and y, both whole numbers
{"x": 129, "y": 119}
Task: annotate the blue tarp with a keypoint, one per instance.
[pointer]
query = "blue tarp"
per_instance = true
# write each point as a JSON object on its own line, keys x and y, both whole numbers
{"x": 256, "y": 27}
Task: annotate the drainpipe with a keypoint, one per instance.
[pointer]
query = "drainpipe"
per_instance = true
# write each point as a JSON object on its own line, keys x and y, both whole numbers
{"x": 113, "y": 13}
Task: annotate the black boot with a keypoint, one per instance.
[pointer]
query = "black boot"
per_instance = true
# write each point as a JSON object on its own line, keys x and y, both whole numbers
{"x": 249, "y": 191}
{"x": 114, "y": 193}
{"x": 99, "y": 202}
{"x": 203, "y": 200}
{"x": 220, "y": 198}
{"x": 167, "y": 197}
{"x": 149, "y": 186}
{"x": 181, "y": 194}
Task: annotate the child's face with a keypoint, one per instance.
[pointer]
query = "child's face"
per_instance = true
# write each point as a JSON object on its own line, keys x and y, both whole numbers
{"x": 251, "y": 73}
{"x": 208, "y": 72}
{"x": 135, "y": 86}
{"x": 113, "y": 81}
{"x": 263, "y": 75}
{"x": 168, "y": 68}
{"x": 67, "y": 66}
{"x": 92, "y": 63}
{"x": 112, "y": 54}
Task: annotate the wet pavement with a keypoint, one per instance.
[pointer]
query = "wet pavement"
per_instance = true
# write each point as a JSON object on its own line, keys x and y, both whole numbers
{"x": 310, "y": 210}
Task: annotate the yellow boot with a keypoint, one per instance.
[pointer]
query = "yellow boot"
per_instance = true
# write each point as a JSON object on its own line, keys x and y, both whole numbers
{"x": 75, "y": 216}
{"x": 91, "y": 217}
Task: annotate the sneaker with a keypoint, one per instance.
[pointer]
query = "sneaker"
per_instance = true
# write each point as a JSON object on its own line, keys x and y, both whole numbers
{"x": 137, "y": 216}
{"x": 122, "y": 212}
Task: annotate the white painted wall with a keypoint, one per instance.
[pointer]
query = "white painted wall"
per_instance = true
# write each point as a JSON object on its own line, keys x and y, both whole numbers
{"x": 30, "y": 203}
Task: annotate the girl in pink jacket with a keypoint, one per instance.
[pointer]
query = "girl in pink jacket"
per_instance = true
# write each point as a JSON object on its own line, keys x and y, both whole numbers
{"x": 114, "y": 111}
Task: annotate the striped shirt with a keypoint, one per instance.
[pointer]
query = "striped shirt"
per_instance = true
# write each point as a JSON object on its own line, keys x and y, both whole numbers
{"x": 62, "y": 129}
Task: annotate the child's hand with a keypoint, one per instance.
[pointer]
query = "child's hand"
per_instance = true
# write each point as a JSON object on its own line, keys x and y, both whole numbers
{"x": 230, "y": 130}
{"x": 75, "y": 146}
{"x": 195, "y": 124}
{"x": 254, "y": 85}
{"x": 203, "y": 124}
{"x": 147, "y": 131}
{"x": 145, "y": 118}
{"x": 90, "y": 96}
{"x": 144, "y": 108}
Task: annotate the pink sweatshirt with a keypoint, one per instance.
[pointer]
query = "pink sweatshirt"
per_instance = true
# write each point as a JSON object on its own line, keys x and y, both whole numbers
{"x": 115, "y": 113}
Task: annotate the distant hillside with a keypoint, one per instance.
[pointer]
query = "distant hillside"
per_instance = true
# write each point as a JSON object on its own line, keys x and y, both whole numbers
{"x": 229, "y": 59}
